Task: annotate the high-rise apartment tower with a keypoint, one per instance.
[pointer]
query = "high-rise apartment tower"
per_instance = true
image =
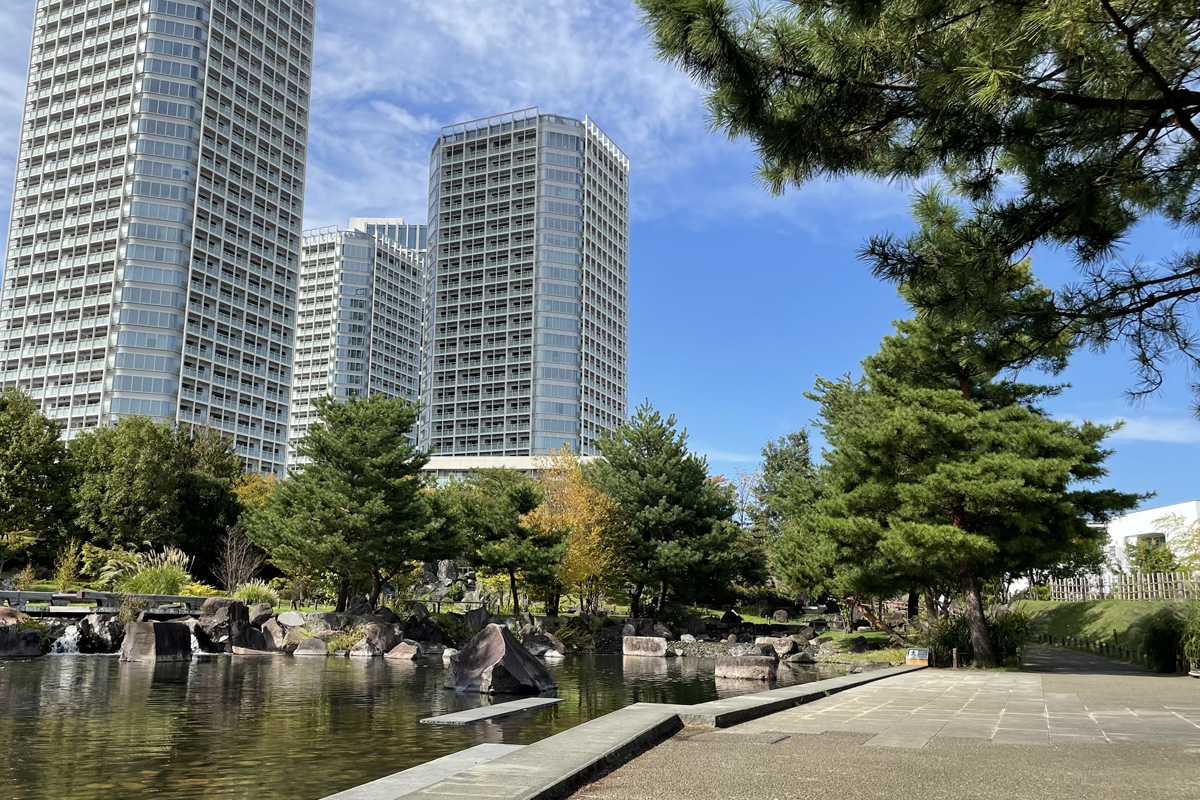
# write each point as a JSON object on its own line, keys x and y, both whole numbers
{"x": 526, "y": 287}
{"x": 358, "y": 321}
{"x": 156, "y": 224}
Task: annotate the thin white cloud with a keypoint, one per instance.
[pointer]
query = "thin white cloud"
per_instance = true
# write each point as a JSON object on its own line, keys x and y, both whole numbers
{"x": 728, "y": 456}
{"x": 1167, "y": 430}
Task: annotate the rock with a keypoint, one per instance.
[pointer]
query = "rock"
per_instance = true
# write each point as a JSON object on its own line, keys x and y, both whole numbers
{"x": 432, "y": 650}
{"x": 477, "y": 618}
{"x": 731, "y": 638}
{"x": 539, "y": 644}
{"x": 866, "y": 666}
{"x": 406, "y": 650}
{"x": 256, "y": 642}
{"x": 420, "y": 612}
{"x": 448, "y": 654}
{"x": 28, "y": 643}
{"x": 291, "y": 619}
{"x": 629, "y": 629}
{"x": 781, "y": 645}
{"x": 527, "y": 630}
{"x": 749, "y": 668}
{"x": 201, "y": 639}
{"x": 226, "y": 622}
{"x": 11, "y": 616}
{"x": 804, "y": 635}
{"x": 694, "y": 625}
{"x": 158, "y": 641}
{"x": 781, "y": 616}
{"x": 279, "y": 637}
{"x": 250, "y": 651}
{"x": 652, "y": 646}
{"x": 100, "y": 633}
{"x": 658, "y": 629}
{"x": 857, "y": 645}
{"x": 389, "y": 617}
{"x": 365, "y": 648}
{"x": 260, "y": 613}
{"x": 731, "y": 617}
{"x": 494, "y": 662}
{"x": 381, "y": 637}
{"x": 359, "y": 607}
{"x": 801, "y": 656}
{"x": 687, "y": 638}
{"x": 323, "y": 621}
{"x": 294, "y": 637}
{"x": 311, "y": 647}
{"x": 553, "y": 655}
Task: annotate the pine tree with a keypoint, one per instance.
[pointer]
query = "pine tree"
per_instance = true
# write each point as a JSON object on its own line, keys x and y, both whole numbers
{"x": 672, "y": 514}
{"x": 1061, "y": 123}
{"x": 357, "y": 508}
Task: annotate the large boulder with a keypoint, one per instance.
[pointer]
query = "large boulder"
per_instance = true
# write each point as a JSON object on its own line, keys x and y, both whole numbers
{"x": 477, "y": 618}
{"x": 406, "y": 650}
{"x": 494, "y": 662}
{"x": 323, "y": 621}
{"x": 419, "y": 611}
{"x": 227, "y": 623}
{"x": 279, "y": 637}
{"x": 694, "y": 625}
{"x": 291, "y": 619}
{"x": 749, "y": 668}
{"x": 28, "y": 643}
{"x": 157, "y": 641}
{"x": 260, "y": 613}
{"x": 365, "y": 648}
{"x": 781, "y": 616}
{"x": 731, "y": 617}
{"x": 802, "y": 656}
{"x": 311, "y": 646}
{"x": 653, "y": 646}
{"x": 100, "y": 633}
{"x": 539, "y": 644}
{"x": 382, "y": 637}
{"x": 782, "y": 645}
{"x": 387, "y": 616}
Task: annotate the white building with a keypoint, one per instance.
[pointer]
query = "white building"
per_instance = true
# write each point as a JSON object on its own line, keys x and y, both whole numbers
{"x": 526, "y": 328}
{"x": 1146, "y": 525}
{"x": 155, "y": 237}
{"x": 358, "y": 328}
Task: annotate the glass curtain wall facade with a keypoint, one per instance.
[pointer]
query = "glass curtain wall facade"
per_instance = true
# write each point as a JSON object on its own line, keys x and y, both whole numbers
{"x": 358, "y": 328}
{"x": 526, "y": 292}
{"x": 155, "y": 238}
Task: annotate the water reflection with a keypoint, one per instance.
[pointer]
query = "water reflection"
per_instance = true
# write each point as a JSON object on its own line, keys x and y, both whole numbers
{"x": 95, "y": 729}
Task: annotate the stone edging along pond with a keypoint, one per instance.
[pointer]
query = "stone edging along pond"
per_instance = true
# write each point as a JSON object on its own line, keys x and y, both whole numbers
{"x": 558, "y": 765}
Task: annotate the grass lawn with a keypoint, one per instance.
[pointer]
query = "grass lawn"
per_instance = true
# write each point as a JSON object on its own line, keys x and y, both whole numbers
{"x": 1099, "y": 620}
{"x": 840, "y": 641}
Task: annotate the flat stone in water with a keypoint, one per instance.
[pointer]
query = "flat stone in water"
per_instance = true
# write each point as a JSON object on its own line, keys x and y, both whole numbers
{"x": 492, "y": 712}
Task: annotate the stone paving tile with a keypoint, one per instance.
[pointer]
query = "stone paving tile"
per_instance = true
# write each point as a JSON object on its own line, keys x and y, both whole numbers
{"x": 911, "y": 710}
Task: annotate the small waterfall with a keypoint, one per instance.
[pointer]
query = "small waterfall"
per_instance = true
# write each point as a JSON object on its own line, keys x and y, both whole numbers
{"x": 68, "y": 643}
{"x": 196, "y": 650}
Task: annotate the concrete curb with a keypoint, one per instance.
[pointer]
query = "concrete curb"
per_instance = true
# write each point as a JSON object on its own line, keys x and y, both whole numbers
{"x": 557, "y": 766}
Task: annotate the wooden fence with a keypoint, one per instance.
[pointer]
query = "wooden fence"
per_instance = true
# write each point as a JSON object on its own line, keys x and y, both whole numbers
{"x": 1137, "y": 586}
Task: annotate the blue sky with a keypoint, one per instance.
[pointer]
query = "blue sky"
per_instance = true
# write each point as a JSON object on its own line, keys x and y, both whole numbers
{"x": 737, "y": 299}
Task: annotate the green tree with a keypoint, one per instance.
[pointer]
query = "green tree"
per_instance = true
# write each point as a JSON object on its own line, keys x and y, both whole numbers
{"x": 127, "y": 491}
{"x": 1061, "y": 123}
{"x": 1148, "y": 556}
{"x": 672, "y": 513}
{"x": 34, "y": 477}
{"x": 933, "y": 475}
{"x": 787, "y": 484}
{"x": 490, "y": 511}
{"x": 209, "y": 469}
{"x": 357, "y": 508}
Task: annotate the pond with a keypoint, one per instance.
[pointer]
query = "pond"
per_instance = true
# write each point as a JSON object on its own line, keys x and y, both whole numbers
{"x": 92, "y": 728}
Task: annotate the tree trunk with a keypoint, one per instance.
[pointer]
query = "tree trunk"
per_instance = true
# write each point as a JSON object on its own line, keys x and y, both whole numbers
{"x": 376, "y": 588}
{"x": 662, "y": 598}
{"x": 981, "y": 641}
{"x": 914, "y": 604}
{"x": 343, "y": 595}
{"x": 931, "y": 609}
{"x": 870, "y": 616}
{"x": 635, "y": 601}
{"x": 512, "y": 585}
{"x": 552, "y": 600}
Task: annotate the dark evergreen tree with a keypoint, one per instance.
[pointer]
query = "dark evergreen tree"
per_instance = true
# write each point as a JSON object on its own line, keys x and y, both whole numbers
{"x": 34, "y": 478}
{"x": 357, "y": 509}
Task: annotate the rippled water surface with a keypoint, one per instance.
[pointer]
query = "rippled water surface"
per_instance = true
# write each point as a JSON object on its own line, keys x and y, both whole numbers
{"x": 275, "y": 727}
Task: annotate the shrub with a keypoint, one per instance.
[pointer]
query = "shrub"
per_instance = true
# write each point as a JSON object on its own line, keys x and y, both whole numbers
{"x": 1162, "y": 639}
{"x": 1191, "y": 634}
{"x": 454, "y": 629}
{"x": 1009, "y": 631}
{"x": 256, "y": 592}
{"x": 25, "y": 578}
{"x": 66, "y": 568}
{"x": 456, "y": 593}
{"x": 156, "y": 579}
{"x": 200, "y": 590}
{"x": 344, "y": 640}
{"x": 130, "y": 608}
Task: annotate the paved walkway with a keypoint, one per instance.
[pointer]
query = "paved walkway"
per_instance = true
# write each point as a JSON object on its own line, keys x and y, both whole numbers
{"x": 946, "y": 734}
